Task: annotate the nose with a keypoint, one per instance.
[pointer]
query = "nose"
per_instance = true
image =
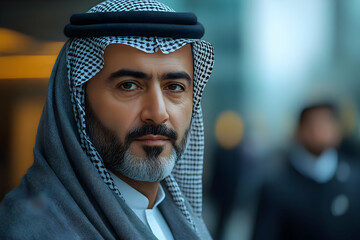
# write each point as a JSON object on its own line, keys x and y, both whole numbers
{"x": 154, "y": 109}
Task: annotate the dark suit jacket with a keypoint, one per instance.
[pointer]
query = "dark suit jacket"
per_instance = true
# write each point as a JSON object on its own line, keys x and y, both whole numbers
{"x": 295, "y": 207}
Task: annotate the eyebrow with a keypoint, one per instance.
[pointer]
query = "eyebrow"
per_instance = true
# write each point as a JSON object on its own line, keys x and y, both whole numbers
{"x": 128, "y": 73}
{"x": 176, "y": 75}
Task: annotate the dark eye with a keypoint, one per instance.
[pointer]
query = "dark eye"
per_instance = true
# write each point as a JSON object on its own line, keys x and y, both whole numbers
{"x": 128, "y": 86}
{"x": 175, "y": 87}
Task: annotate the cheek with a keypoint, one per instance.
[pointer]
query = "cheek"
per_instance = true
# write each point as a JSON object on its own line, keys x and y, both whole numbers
{"x": 117, "y": 116}
{"x": 180, "y": 116}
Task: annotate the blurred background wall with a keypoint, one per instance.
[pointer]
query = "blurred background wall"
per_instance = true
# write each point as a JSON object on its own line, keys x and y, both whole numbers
{"x": 271, "y": 58}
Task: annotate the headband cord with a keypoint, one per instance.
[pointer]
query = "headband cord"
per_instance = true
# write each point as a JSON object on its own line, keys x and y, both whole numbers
{"x": 132, "y": 23}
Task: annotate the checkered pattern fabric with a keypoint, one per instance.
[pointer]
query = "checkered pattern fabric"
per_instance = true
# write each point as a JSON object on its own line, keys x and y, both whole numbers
{"x": 85, "y": 60}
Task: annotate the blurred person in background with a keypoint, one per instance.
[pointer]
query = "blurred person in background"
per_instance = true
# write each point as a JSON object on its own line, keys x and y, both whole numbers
{"x": 315, "y": 194}
{"x": 234, "y": 184}
{"x": 225, "y": 185}
{"x": 119, "y": 148}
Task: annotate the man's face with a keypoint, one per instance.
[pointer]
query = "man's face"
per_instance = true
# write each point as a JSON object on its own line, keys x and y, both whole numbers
{"x": 319, "y": 131}
{"x": 139, "y": 109}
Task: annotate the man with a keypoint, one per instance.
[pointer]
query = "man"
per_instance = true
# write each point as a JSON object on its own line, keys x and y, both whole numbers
{"x": 119, "y": 147}
{"x": 316, "y": 194}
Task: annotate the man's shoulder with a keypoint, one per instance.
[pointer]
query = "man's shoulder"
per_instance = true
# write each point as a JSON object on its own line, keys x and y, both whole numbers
{"x": 24, "y": 216}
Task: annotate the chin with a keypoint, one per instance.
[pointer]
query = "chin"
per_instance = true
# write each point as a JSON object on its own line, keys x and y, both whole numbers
{"x": 145, "y": 168}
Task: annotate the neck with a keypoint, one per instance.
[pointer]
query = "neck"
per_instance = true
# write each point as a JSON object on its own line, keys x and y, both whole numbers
{"x": 148, "y": 189}
{"x": 315, "y": 152}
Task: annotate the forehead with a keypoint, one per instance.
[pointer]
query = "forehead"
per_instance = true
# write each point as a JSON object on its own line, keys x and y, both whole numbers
{"x": 118, "y": 56}
{"x": 318, "y": 115}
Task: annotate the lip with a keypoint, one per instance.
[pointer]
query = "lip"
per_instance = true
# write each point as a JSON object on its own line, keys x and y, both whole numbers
{"x": 153, "y": 140}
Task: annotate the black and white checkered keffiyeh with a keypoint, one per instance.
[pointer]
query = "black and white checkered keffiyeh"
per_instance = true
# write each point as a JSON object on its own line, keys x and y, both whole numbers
{"x": 85, "y": 60}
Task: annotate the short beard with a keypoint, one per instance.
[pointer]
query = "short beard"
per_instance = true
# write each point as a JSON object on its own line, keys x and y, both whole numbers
{"x": 117, "y": 155}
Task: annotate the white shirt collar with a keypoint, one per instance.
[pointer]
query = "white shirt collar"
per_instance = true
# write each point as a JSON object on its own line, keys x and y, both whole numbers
{"x": 321, "y": 169}
{"x": 134, "y": 198}
{"x": 139, "y": 203}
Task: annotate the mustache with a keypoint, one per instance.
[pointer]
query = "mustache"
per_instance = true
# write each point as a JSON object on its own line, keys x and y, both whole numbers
{"x": 149, "y": 129}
